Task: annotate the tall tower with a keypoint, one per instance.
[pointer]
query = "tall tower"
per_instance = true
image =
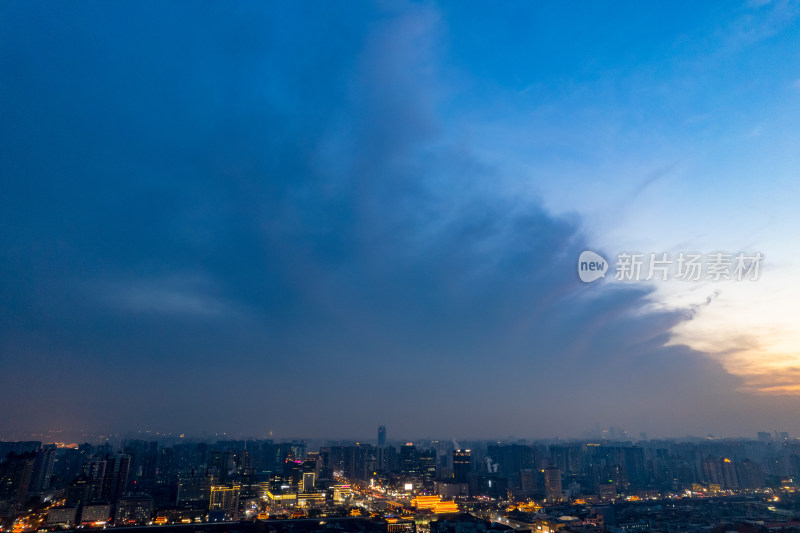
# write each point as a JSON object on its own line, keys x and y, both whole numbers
{"x": 381, "y": 436}
{"x": 462, "y": 463}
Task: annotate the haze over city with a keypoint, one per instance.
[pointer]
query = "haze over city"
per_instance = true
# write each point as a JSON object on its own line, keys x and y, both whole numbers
{"x": 311, "y": 218}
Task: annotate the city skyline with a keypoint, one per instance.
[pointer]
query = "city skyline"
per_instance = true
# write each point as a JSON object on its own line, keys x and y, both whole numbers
{"x": 575, "y": 486}
{"x": 302, "y": 217}
{"x": 597, "y": 434}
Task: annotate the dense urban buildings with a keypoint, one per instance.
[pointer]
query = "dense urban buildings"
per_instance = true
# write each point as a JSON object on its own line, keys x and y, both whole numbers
{"x": 407, "y": 486}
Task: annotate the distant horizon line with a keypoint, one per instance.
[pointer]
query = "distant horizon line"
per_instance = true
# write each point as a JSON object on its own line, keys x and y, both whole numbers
{"x": 94, "y": 437}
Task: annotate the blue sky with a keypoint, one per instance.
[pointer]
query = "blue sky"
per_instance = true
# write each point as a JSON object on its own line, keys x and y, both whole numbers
{"x": 313, "y": 218}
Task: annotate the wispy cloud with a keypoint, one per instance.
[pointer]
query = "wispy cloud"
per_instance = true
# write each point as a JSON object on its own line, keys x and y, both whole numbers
{"x": 177, "y": 296}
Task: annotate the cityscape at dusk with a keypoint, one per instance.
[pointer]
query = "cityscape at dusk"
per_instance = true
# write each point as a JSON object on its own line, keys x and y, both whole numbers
{"x": 365, "y": 266}
{"x": 613, "y": 483}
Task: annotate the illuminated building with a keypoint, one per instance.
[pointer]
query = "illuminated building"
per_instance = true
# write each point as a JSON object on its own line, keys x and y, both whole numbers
{"x": 408, "y": 459}
{"x": 341, "y": 493}
{"x": 308, "y": 499}
{"x": 224, "y": 500}
{"x": 435, "y": 504}
{"x": 95, "y": 513}
{"x": 445, "y": 507}
{"x": 425, "y": 502}
{"x": 608, "y": 491}
{"x": 62, "y": 516}
{"x": 399, "y": 525}
{"x": 134, "y": 510}
{"x": 307, "y": 482}
{"x": 427, "y": 468}
{"x": 548, "y": 524}
{"x": 277, "y": 496}
{"x": 462, "y": 464}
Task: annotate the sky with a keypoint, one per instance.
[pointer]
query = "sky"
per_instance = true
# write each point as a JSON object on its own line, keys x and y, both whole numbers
{"x": 306, "y": 219}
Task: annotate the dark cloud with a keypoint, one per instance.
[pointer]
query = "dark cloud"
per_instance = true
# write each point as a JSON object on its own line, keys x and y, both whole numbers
{"x": 244, "y": 218}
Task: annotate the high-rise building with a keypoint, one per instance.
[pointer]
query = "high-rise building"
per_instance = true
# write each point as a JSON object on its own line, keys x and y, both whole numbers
{"x": 634, "y": 464}
{"x": 150, "y": 461}
{"x": 750, "y": 475}
{"x": 69, "y": 463}
{"x": 307, "y": 482}
{"x": 511, "y": 458}
{"x": 462, "y": 464}
{"x": 386, "y": 458}
{"x": 95, "y": 471}
{"x": 116, "y": 477}
{"x": 43, "y": 468}
{"x": 359, "y": 461}
{"x": 78, "y": 491}
{"x": 144, "y": 459}
{"x": 712, "y": 470}
{"x": 729, "y": 478}
{"x": 427, "y": 468}
{"x": 224, "y": 501}
{"x": 527, "y": 481}
{"x": 381, "y": 436}
{"x": 15, "y": 477}
{"x": 552, "y": 484}
{"x": 565, "y": 457}
{"x": 408, "y": 459}
{"x": 194, "y": 486}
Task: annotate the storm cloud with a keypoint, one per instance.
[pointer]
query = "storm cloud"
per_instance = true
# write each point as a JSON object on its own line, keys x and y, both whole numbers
{"x": 248, "y": 218}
